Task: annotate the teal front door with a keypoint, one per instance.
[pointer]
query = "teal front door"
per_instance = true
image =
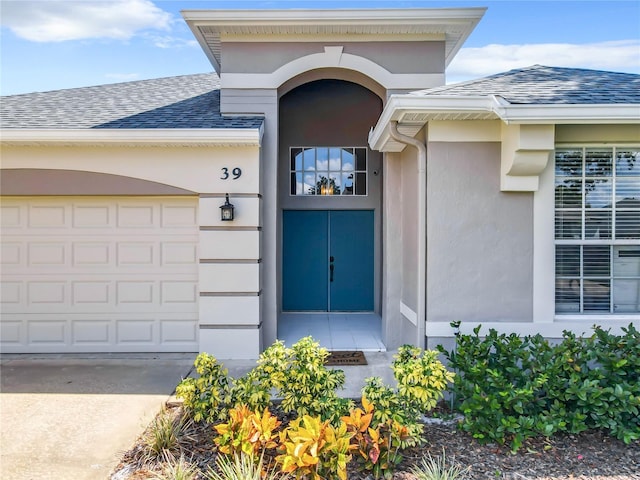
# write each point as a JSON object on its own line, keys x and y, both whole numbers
{"x": 328, "y": 260}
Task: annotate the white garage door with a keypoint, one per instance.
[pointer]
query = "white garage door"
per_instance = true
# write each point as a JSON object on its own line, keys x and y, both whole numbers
{"x": 98, "y": 274}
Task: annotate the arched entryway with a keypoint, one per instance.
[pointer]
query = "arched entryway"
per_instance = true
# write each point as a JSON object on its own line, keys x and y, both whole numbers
{"x": 330, "y": 192}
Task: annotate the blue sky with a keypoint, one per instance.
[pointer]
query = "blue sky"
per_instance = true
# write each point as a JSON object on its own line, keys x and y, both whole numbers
{"x": 57, "y": 44}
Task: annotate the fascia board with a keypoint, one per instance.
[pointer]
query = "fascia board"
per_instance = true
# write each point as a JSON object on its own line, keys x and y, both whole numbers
{"x": 575, "y": 114}
{"x": 140, "y": 137}
{"x": 415, "y": 16}
{"x": 456, "y": 23}
{"x": 399, "y": 106}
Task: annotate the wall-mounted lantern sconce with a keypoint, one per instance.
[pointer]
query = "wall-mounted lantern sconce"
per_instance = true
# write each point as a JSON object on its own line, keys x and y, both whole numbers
{"x": 226, "y": 211}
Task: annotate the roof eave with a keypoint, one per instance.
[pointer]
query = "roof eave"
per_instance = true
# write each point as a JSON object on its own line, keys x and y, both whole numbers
{"x": 418, "y": 111}
{"x": 160, "y": 137}
{"x": 456, "y": 23}
{"x": 617, "y": 113}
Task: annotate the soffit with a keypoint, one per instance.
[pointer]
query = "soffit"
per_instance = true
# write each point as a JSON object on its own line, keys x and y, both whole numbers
{"x": 211, "y": 27}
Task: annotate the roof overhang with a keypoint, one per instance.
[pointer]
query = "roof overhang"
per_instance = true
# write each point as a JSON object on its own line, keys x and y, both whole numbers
{"x": 412, "y": 112}
{"x": 158, "y": 137}
{"x": 452, "y": 25}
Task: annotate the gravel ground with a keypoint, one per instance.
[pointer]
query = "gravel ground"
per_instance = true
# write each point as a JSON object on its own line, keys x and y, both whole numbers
{"x": 590, "y": 455}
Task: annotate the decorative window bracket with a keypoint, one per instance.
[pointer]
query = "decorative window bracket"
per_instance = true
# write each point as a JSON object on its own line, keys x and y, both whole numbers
{"x": 526, "y": 150}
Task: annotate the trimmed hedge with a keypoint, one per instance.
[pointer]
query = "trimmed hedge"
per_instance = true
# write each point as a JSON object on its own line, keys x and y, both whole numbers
{"x": 510, "y": 388}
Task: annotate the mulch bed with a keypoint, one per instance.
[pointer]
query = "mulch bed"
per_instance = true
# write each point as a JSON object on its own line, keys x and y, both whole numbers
{"x": 590, "y": 455}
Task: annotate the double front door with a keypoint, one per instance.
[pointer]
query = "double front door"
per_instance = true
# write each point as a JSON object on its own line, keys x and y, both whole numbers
{"x": 328, "y": 260}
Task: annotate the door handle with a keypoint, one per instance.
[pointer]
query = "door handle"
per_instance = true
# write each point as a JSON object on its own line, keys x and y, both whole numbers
{"x": 331, "y": 268}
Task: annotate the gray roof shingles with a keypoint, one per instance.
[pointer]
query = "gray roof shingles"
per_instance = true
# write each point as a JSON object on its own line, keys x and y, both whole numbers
{"x": 193, "y": 101}
{"x": 550, "y": 85}
{"x": 187, "y": 101}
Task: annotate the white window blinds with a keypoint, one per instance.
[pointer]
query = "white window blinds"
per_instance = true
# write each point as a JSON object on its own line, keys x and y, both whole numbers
{"x": 597, "y": 230}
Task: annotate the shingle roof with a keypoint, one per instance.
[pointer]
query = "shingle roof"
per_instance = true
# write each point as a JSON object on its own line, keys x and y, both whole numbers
{"x": 550, "y": 85}
{"x": 188, "y": 101}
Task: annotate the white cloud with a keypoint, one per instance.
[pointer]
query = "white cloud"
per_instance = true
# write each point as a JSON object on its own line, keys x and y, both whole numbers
{"x": 472, "y": 63}
{"x": 62, "y": 20}
{"x": 169, "y": 41}
{"x": 123, "y": 77}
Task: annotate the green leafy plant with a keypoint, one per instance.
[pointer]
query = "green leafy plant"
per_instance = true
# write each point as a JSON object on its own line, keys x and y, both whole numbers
{"x": 206, "y": 397}
{"x": 243, "y": 467}
{"x": 597, "y": 382}
{"x": 313, "y": 449}
{"x": 253, "y": 390}
{"x": 422, "y": 378}
{"x": 501, "y": 387}
{"x": 377, "y": 445}
{"x": 247, "y": 432}
{"x": 438, "y": 468}
{"x": 511, "y": 388}
{"x": 301, "y": 379}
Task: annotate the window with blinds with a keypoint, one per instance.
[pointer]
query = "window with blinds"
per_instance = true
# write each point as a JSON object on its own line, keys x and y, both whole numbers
{"x": 597, "y": 230}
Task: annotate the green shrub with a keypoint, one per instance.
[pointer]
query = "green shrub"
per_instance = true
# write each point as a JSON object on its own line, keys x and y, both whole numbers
{"x": 422, "y": 379}
{"x": 297, "y": 375}
{"x": 313, "y": 449}
{"x": 511, "y": 388}
{"x": 300, "y": 377}
{"x": 395, "y": 415}
{"x": 207, "y": 396}
{"x": 377, "y": 445}
{"x": 598, "y": 382}
{"x": 247, "y": 432}
{"x": 252, "y": 390}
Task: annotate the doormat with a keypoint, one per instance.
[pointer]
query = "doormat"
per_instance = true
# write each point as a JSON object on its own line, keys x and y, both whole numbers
{"x": 347, "y": 357}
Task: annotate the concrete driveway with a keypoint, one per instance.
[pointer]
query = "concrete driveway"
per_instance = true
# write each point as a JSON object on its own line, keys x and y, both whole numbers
{"x": 70, "y": 417}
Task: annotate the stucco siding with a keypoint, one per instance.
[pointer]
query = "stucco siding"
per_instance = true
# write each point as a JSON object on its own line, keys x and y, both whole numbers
{"x": 394, "y": 56}
{"x": 409, "y": 196}
{"x": 599, "y": 133}
{"x": 479, "y": 240}
{"x": 197, "y": 169}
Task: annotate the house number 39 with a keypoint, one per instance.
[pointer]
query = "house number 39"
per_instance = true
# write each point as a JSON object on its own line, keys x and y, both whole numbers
{"x": 236, "y": 172}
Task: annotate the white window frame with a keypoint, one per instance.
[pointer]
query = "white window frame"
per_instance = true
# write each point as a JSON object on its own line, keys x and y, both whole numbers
{"x": 544, "y": 254}
{"x": 356, "y": 172}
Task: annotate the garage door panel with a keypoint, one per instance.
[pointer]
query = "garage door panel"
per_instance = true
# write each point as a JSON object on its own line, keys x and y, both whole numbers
{"x": 86, "y": 294}
{"x": 56, "y": 333}
{"x": 94, "y": 274}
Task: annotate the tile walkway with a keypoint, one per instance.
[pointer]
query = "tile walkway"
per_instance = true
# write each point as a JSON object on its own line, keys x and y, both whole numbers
{"x": 334, "y": 331}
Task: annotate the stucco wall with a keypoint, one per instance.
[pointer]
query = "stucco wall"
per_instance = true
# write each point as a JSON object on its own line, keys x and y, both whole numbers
{"x": 198, "y": 169}
{"x": 394, "y": 56}
{"x": 479, "y": 240}
{"x": 229, "y": 253}
{"x": 400, "y": 248}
